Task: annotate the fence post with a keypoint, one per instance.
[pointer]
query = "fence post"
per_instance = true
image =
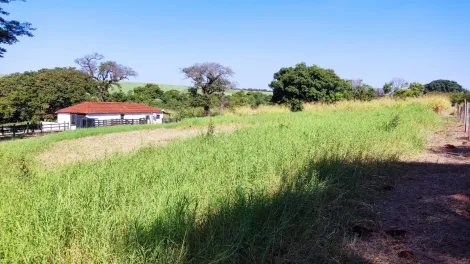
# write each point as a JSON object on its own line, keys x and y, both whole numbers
{"x": 2, "y": 130}
{"x": 27, "y": 128}
{"x": 463, "y": 113}
{"x": 465, "y": 122}
{"x": 14, "y": 130}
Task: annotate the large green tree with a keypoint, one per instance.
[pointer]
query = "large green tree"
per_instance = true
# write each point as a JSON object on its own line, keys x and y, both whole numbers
{"x": 10, "y": 30}
{"x": 16, "y": 93}
{"x": 444, "y": 86}
{"x": 37, "y": 95}
{"x": 148, "y": 94}
{"x": 213, "y": 79}
{"x": 106, "y": 73}
{"x": 303, "y": 83}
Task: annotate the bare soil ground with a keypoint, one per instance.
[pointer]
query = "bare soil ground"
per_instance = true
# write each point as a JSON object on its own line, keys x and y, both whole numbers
{"x": 99, "y": 147}
{"x": 426, "y": 217}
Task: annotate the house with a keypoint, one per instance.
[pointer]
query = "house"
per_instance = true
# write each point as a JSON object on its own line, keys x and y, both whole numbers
{"x": 109, "y": 112}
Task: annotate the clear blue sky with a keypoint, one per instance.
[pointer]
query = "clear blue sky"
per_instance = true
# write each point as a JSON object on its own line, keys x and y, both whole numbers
{"x": 373, "y": 40}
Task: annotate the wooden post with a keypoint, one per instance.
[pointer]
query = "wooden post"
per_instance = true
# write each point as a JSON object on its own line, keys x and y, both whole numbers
{"x": 465, "y": 107}
{"x": 65, "y": 125}
{"x": 1, "y": 128}
{"x": 27, "y": 128}
{"x": 14, "y": 130}
{"x": 462, "y": 115}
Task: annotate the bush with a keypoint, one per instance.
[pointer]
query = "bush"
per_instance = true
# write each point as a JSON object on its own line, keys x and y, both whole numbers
{"x": 459, "y": 97}
{"x": 296, "y": 105}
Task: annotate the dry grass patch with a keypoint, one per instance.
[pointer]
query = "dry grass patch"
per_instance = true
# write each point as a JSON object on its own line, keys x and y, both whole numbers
{"x": 99, "y": 147}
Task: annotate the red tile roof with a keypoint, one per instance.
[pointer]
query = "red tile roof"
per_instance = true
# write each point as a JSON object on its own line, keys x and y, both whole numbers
{"x": 109, "y": 108}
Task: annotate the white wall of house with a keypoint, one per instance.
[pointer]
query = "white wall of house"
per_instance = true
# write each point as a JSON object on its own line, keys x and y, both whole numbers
{"x": 62, "y": 117}
{"x": 65, "y": 118}
{"x": 155, "y": 118}
{"x": 104, "y": 116}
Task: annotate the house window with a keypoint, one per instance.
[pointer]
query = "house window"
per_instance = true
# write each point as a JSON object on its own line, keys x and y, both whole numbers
{"x": 122, "y": 116}
{"x": 158, "y": 116}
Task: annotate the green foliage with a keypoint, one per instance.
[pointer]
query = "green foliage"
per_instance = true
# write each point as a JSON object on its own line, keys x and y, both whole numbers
{"x": 392, "y": 123}
{"x": 308, "y": 84}
{"x": 283, "y": 184}
{"x": 37, "y": 95}
{"x": 11, "y": 29}
{"x": 387, "y": 88}
{"x": 295, "y": 105}
{"x": 212, "y": 79}
{"x": 415, "y": 90}
{"x": 459, "y": 97}
{"x": 253, "y": 99}
{"x": 444, "y": 86}
{"x": 361, "y": 91}
{"x": 147, "y": 94}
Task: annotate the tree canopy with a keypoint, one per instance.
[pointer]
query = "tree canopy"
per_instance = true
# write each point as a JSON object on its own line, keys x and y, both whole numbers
{"x": 211, "y": 78}
{"x": 394, "y": 85}
{"x": 10, "y": 30}
{"x": 414, "y": 89}
{"x": 37, "y": 95}
{"x": 106, "y": 73}
{"x": 304, "y": 83}
{"x": 444, "y": 86}
{"x": 362, "y": 91}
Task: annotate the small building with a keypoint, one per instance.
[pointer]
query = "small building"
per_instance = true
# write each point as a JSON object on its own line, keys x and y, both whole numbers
{"x": 109, "y": 112}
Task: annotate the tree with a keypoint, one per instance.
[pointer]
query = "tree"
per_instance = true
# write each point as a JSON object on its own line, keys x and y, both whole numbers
{"x": 211, "y": 78}
{"x": 16, "y": 93}
{"x": 414, "y": 90}
{"x": 444, "y": 86}
{"x": 10, "y": 30}
{"x": 147, "y": 94}
{"x": 362, "y": 91}
{"x": 394, "y": 85}
{"x": 106, "y": 73}
{"x": 37, "y": 95}
{"x": 387, "y": 88}
{"x": 417, "y": 88}
{"x": 302, "y": 83}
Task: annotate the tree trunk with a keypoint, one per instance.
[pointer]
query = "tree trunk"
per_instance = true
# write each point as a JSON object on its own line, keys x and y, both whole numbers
{"x": 207, "y": 110}
{"x": 222, "y": 103}
{"x": 207, "y": 105}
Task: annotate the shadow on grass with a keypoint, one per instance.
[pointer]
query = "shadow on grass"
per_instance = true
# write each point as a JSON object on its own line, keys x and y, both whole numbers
{"x": 309, "y": 218}
{"x": 306, "y": 220}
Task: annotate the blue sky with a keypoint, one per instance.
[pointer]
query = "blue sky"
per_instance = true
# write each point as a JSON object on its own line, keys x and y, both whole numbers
{"x": 373, "y": 40}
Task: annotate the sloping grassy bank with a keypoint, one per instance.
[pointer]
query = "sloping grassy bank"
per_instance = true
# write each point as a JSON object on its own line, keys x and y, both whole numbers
{"x": 283, "y": 190}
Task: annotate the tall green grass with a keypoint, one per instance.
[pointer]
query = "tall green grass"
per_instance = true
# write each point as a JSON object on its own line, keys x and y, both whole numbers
{"x": 282, "y": 190}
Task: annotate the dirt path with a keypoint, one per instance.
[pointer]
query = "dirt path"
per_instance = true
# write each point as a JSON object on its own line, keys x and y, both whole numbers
{"x": 426, "y": 218}
{"x": 98, "y": 147}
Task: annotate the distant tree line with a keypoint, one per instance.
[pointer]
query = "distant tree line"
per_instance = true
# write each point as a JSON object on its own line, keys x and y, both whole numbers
{"x": 294, "y": 86}
{"x": 38, "y": 95}
{"x": 191, "y": 103}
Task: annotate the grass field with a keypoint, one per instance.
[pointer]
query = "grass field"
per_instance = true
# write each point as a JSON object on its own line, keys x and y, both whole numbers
{"x": 127, "y": 86}
{"x": 283, "y": 188}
